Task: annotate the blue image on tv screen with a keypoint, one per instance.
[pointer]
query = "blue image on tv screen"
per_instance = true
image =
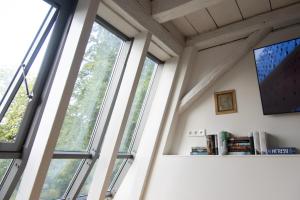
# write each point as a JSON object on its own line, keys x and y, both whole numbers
{"x": 278, "y": 73}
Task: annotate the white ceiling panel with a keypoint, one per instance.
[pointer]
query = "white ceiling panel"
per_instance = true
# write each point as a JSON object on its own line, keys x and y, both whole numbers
{"x": 201, "y": 21}
{"x": 184, "y": 26}
{"x": 253, "y": 7}
{"x": 282, "y": 3}
{"x": 225, "y": 12}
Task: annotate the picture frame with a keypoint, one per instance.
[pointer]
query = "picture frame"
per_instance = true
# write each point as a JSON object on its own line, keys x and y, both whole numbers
{"x": 225, "y": 102}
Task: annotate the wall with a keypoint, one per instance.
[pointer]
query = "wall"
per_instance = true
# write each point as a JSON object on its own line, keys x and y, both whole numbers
{"x": 284, "y": 128}
{"x": 179, "y": 176}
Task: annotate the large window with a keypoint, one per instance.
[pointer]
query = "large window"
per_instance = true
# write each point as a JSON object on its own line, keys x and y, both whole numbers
{"x": 32, "y": 40}
{"x": 133, "y": 130}
{"x": 32, "y": 36}
{"x": 90, "y": 95}
{"x": 21, "y": 62}
{"x": 135, "y": 122}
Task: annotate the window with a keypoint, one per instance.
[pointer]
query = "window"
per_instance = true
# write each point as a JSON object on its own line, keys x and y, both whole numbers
{"x": 4, "y": 165}
{"x": 94, "y": 90}
{"x": 20, "y": 65}
{"x": 31, "y": 39}
{"x": 135, "y": 122}
{"x": 133, "y": 130}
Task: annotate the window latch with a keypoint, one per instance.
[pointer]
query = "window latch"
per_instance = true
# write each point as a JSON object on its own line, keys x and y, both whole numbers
{"x": 29, "y": 95}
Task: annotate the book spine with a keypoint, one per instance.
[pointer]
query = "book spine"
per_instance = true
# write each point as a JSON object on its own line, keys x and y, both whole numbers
{"x": 233, "y": 140}
{"x": 251, "y": 141}
{"x": 256, "y": 142}
{"x": 210, "y": 139}
{"x": 216, "y": 145}
{"x": 239, "y": 153}
{"x": 280, "y": 151}
{"x": 238, "y": 144}
{"x": 263, "y": 142}
{"x": 244, "y": 148}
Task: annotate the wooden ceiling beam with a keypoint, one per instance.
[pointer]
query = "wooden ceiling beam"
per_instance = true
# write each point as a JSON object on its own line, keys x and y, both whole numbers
{"x": 132, "y": 11}
{"x": 166, "y": 10}
{"x": 276, "y": 19}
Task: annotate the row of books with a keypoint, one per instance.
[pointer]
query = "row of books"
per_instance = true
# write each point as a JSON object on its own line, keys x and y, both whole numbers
{"x": 226, "y": 143}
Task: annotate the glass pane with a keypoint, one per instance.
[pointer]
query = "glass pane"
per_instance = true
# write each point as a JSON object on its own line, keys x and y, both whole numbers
{"x": 10, "y": 62}
{"x": 58, "y": 178}
{"x": 9, "y": 125}
{"x": 4, "y": 164}
{"x": 139, "y": 100}
{"x": 89, "y": 91}
{"x": 85, "y": 189}
{"x": 18, "y": 29}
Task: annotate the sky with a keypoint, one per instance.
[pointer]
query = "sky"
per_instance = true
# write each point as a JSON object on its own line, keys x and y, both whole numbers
{"x": 19, "y": 21}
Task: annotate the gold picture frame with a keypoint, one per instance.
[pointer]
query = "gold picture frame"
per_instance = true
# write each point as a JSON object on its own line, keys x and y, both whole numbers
{"x": 225, "y": 102}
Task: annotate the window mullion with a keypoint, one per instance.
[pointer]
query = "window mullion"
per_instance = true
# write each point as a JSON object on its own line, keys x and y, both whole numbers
{"x": 47, "y": 133}
{"x": 105, "y": 112}
{"x": 116, "y": 127}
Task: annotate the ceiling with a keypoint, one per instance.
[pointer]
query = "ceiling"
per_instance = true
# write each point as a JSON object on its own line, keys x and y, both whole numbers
{"x": 224, "y": 13}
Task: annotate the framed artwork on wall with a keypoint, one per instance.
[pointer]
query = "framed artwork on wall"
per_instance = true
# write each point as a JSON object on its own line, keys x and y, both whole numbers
{"x": 225, "y": 102}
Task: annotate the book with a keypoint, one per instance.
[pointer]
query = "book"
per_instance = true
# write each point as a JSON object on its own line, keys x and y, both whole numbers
{"x": 210, "y": 139}
{"x": 256, "y": 142}
{"x": 199, "y": 149}
{"x": 282, "y": 150}
{"x": 251, "y": 141}
{"x": 239, "y": 153}
{"x": 242, "y": 148}
{"x": 238, "y": 144}
{"x": 198, "y": 153}
{"x": 216, "y": 145}
{"x": 263, "y": 142}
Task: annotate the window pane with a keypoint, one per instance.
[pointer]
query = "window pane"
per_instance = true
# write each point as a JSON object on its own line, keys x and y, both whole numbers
{"x": 4, "y": 164}
{"x": 85, "y": 189}
{"x": 58, "y": 178}
{"x": 10, "y": 62}
{"x": 139, "y": 100}
{"x": 18, "y": 29}
{"x": 89, "y": 90}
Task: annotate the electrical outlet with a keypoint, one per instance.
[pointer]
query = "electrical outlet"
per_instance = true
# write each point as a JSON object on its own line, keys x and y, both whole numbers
{"x": 197, "y": 133}
{"x": 202, "y": 133}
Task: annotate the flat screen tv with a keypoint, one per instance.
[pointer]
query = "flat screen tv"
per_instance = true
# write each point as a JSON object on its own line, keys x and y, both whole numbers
{"x": 278, "y": 74}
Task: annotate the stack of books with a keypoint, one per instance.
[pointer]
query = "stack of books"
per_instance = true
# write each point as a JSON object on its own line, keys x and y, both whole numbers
{"x": 240, "y": 146}
{"x": 226, "y": 143}
{"x": 199, "y": 151}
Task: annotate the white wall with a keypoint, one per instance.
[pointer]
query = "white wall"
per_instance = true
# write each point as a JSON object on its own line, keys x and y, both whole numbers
{"x": 285, "y": 128}
{"x": 181, "y": 177}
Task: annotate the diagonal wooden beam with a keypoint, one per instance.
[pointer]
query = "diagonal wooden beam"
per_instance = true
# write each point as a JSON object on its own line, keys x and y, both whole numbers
{"x": 132, "y": 11}
{"x": 222, "y": 68}
{"x": 276, "y": 19}
{"x": 166, "y": 10}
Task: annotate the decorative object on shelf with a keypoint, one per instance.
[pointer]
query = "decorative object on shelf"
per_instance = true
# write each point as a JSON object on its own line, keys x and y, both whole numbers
{"x": 223, "y": 138}
{"x": 225, "y": 102}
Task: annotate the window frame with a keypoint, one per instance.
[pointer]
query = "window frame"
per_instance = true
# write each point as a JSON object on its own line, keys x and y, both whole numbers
{"x": 38, "y": 88}
{"x": 20, "y": 150}
{"x": 97, "y": 137}
{"x": 138, "y": 131}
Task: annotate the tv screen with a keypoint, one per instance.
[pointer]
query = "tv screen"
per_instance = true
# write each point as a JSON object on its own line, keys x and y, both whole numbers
{"x": 278, "y": 73}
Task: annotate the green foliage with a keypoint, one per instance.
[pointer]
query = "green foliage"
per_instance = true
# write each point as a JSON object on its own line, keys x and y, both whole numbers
{"x": 86, "y": 100}
{"x": 138, "y": 102}
{"x": 58, "y": 178}
{"x": 9, "y": 125}
{"x": 89, "y": 91}
{"x": 4, "y": 164}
